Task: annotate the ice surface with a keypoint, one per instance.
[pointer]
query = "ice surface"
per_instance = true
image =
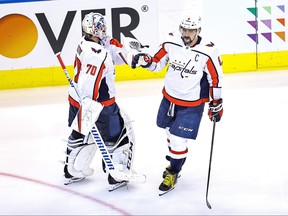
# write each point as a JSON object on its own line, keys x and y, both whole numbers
{"x": 249, "y": 172}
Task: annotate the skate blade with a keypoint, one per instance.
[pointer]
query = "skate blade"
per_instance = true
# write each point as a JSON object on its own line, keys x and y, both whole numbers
{"x": 117, "y": 186}
{"x": 161, "y": 193}
{"x": 72, "y": 180}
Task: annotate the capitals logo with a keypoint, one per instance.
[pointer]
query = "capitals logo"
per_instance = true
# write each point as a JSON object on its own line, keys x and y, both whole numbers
{"x": 182, "y": 68}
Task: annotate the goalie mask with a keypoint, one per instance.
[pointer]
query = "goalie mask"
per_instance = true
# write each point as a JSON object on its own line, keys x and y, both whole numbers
{"x": 95, "y": 25}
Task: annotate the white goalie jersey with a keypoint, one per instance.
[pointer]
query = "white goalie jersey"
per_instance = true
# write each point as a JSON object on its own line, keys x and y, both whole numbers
{"x": 96, "y": 66}
{"x": 94, "y": 77}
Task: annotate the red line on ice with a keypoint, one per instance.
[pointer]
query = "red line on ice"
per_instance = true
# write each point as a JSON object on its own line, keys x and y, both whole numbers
{"x": 93, "y": 199}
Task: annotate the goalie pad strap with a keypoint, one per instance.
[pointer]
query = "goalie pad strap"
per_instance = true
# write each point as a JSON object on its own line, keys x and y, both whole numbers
{"x": 72, "y": 144}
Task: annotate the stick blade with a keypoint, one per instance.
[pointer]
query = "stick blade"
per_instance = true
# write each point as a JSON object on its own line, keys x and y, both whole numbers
{"x": 208, "y": 204}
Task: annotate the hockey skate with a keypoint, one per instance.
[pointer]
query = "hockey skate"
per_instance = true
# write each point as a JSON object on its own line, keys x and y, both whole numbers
{"x": 113, "y": 184}
{"x": 69, "y": 179}
{"x": 168, "y": 184}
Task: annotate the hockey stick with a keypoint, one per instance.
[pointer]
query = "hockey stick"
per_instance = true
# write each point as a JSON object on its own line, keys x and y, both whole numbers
{"x": 210, "y": 161}
{"x": 118, "y": 175}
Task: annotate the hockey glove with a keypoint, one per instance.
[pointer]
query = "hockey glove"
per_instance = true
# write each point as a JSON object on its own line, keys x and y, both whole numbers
{"x": 141, "y": 59}
{"x": 215, "y": 110}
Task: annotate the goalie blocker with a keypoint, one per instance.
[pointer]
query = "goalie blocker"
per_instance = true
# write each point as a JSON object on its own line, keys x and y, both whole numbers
{"x": 81, "y": 147}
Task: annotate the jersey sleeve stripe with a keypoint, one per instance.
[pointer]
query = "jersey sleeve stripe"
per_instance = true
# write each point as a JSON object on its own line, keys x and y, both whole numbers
{"x": 73, "y": 102}
{"x": 213, "y": 72}
{"x": 159, "y": 55}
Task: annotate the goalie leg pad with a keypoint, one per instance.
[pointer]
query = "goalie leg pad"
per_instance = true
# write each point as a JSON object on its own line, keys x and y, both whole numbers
{"x": 123, "y": 157}
{"x": 122, "y": 152}
{"x": 79, "y": 157}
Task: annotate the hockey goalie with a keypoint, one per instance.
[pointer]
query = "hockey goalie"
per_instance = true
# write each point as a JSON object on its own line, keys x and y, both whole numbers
{"x": 96, "y": 120}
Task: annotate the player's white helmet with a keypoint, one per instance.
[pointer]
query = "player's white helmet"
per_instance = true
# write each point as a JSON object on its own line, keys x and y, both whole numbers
{"x": 191, "y": 22}
{"x": 94, "y": 24}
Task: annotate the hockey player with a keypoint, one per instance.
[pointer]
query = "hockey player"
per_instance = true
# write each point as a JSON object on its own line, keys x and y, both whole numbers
{"x": 94, "y": 76}
{"x": 193, "y": 77}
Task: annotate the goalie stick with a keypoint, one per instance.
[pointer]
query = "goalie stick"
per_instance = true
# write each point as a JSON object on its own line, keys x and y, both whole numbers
{"x": 100, "y": 143}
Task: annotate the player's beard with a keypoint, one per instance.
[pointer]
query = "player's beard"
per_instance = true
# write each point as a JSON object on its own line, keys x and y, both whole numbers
{"x": 187, "y": 40}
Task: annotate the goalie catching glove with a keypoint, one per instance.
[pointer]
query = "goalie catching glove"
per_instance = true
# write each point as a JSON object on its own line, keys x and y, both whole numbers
{"x": 215, "y": 110}
{"x": 142, "y": 59}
